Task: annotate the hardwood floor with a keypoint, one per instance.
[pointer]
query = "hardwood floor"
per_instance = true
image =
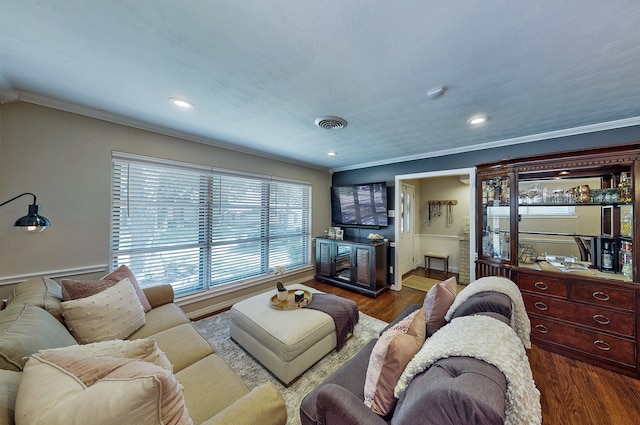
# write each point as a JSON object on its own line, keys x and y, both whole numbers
{"x": 572, "y": 392}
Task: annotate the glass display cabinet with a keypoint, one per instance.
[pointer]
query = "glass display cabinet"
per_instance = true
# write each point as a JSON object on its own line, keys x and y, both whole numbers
{"x": 562, "y": 227}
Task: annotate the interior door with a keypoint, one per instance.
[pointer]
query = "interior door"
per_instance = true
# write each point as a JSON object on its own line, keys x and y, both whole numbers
{"x": 407, "y": 228}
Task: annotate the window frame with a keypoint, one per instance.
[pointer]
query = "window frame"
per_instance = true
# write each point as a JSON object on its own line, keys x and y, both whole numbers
{"x": 279, "y": 225}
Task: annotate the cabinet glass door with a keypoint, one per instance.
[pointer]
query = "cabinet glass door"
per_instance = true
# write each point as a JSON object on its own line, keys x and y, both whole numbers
{"x": 495, "y": 225}
{"x": 343, "y": 262}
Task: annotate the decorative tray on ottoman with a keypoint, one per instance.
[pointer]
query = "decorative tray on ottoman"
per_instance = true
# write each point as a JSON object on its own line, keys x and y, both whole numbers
{"x": 290, "y": 303}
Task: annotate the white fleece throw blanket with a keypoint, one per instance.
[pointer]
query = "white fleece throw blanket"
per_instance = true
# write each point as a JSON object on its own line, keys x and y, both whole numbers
{"x": 519, "y": 318}
{"x": 491, "y": 340}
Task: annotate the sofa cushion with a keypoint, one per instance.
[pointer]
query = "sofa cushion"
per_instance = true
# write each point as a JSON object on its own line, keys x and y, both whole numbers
{"x": 183, "y": 345}
{"x": 25, "y": 329}
{"x": 159, "y": 319}
{"x": 9, "y": 383}
{"x": 98, "y": 390}
{"x": 41, "y": 292}
{"x": 74, "y": 289}
{"x": 437, "y": 302}
{"x": 350, "y": 375}
{"x": 140, "y": 349}
{"x": 391, "y": 354}
{"x": 210, "y": 385}
{"x": 482, "y": 302}
{"x": 114, "y": 313}
{"x": 465, "y": 388}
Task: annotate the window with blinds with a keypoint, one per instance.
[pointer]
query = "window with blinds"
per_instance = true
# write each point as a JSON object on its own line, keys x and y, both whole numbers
{"x": 196, "y": 228}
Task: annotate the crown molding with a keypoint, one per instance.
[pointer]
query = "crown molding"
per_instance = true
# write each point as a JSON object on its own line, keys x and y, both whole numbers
{"x": 591, "y": 128}
{"x": 141, "y": 125}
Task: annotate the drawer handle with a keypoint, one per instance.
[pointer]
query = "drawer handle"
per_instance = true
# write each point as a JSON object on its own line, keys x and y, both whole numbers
{"x": 541, "y": 285}
{"x": 542, "y": 329}
{"x": 540, "y": 305}
{"x": 601, "y": 345}
{"x": 603, "y": 320}
{"x": 600, "y": 296}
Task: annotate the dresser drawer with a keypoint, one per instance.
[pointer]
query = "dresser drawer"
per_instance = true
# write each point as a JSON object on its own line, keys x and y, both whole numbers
{"x": 594, "y": 317}
{"x": 543, "y": 285}
{"x": 603, "y": 295}
{"x": 607, "y": 347}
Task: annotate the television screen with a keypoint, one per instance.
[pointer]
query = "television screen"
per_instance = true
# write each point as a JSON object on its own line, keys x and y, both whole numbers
{"x": 359, "y": 205}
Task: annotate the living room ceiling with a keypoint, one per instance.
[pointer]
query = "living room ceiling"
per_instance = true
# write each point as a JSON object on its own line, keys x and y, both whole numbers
{"x": 260, "y": 72}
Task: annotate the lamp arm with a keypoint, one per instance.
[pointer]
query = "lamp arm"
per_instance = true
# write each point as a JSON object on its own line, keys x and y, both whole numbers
{"x": 16, "y": 197}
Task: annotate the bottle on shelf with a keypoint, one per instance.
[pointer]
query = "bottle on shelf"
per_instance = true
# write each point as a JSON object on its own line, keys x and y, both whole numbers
{"x": 624, "y": 188}
{"x": 487, "y": 243}
{"x": 626, "y": 224}
{"x": 607, "y": 258}
{"x": 497, "y": 252}
{"x": 505, "y": 244}
{"x": 626, "y": 259}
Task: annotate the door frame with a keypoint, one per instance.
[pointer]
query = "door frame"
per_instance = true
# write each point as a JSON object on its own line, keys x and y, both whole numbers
{"x": 412, "y": 218}
{"x": 473, "y": 255}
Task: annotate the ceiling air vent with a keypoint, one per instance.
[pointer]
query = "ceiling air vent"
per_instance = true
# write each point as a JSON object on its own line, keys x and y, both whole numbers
{"x": 331, "y": 123}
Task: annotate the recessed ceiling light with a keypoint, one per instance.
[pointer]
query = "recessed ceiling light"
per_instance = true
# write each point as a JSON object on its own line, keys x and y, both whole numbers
{"x": 181, "y": 103}
{"x": 478, "y": 119}
{"x": 332, "y": 153}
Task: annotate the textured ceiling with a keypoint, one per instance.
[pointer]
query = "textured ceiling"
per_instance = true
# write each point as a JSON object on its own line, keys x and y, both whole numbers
{"x": 260, "y": 72}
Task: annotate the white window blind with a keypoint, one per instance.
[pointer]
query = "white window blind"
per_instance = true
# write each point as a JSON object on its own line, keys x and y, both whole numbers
{"x": 196, "y": 228}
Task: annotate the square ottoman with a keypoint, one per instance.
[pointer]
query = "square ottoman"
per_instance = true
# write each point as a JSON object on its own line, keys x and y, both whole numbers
{"x": 286, "y": 342}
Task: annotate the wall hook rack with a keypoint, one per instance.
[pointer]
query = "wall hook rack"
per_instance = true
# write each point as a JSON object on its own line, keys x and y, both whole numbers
{"x": 435, "y": 210}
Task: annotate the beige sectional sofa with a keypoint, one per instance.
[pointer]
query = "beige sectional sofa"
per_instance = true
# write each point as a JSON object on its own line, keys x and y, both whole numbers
{"x": 212, "y": 392}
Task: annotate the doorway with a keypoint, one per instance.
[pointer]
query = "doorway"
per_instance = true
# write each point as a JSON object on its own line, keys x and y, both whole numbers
{"x": 406, "y": 250}
{"x": 407, "y": 232}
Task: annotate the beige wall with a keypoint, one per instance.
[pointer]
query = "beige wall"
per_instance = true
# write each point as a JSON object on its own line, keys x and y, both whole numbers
{"x": 439, "y": 236}
{"x": 65, "y": 159}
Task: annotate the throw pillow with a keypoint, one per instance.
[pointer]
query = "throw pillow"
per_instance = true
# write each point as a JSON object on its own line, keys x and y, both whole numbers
{"x": 39, "y": 291}
{"x": 114, "y": 313}
{"x": 123, "y": 272}
{"x": 437, "y": 302}
{"x": 391, "y": 354}
{"x": 74, "y": 289}
{"x": 139, "y": 349}
{"x": 25, "y": 329}
{"x": 66, "y": 388}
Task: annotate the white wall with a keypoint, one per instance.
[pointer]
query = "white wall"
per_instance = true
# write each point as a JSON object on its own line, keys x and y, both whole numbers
{"x": 65, "y": 159}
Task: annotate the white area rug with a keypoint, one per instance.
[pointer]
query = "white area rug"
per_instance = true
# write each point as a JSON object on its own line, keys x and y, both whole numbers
{"x": 216, "y": 330}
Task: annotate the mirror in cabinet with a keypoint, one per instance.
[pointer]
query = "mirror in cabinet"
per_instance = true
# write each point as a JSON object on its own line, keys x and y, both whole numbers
{"x": 343, "y": 262}
{"x": 582, "y": 224}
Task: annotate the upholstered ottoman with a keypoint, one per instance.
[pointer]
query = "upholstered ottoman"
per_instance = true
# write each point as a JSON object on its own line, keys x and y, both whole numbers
{"x": 287, "y": 342}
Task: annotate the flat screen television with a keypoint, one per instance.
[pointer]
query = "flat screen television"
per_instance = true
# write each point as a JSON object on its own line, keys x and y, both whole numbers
{"x": 359, "y": 205}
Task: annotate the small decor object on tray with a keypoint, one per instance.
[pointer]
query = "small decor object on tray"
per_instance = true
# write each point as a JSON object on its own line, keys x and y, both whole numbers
{"x": 282, "y": 293}
{"x": 375, "y": 237}
{"x": 294, "y": 300}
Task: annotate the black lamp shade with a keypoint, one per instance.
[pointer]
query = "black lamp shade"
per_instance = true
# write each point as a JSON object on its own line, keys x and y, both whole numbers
{"x": 32, "y": 222}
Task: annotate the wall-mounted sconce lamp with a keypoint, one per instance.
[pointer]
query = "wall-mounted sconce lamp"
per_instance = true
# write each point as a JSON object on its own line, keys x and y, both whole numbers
{"x": 32, "y": 222}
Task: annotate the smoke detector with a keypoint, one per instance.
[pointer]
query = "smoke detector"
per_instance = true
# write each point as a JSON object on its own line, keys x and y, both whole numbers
{"x": 331, "y": 123}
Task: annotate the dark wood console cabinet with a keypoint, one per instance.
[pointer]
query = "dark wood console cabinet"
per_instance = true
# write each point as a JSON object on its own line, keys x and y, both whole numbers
{"x": 358, "y": 265}
{"x": 589, "y": 314}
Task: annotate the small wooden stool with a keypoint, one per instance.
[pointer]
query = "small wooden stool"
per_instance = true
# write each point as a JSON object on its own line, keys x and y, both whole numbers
{"x": 428, "y": 256}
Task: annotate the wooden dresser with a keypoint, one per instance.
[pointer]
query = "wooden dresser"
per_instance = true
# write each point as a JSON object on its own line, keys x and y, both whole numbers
{"x": 584, "y": 318}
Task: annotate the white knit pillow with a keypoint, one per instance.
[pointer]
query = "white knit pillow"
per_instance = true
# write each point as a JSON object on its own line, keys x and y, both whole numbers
{"x": 114, "y": 313}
